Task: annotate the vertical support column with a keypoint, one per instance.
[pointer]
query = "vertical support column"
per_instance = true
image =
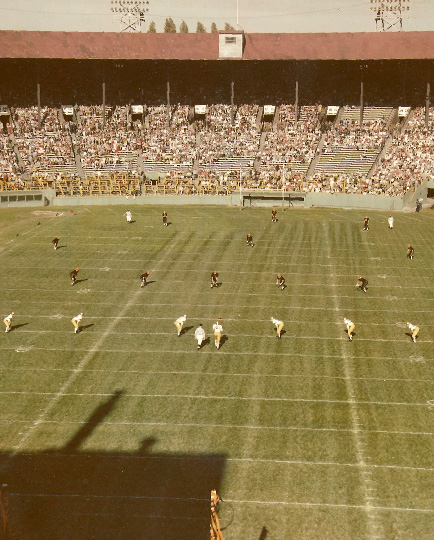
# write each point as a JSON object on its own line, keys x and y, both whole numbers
{"x": 168, "y": 102}
{"x": 103, "y": 103}
{"x": 232, "y": 102}
{"x": 296, "y": 100}
{"x": 361, "y": 104}
{"x": 4, "y": 510}
{"x": 427, "y": 103}
{"x": 38, "y": 97}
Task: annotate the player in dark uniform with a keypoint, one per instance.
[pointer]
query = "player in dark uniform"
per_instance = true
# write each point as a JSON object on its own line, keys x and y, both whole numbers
{"x": 73, "y": 275}
{"x": 361, "y": 283}
{"x": 366, "y": 223}
{"x": 280, "y": 281}
{"x": 143, "y": 278}
{"x": 274, "y": 215}
{"x": 249, "y": 240}
{"x": 215, "y": 279}
{"x": 55, "y": 241}
{"x": 410, "y": 251}
{"x": 165, "y": 219}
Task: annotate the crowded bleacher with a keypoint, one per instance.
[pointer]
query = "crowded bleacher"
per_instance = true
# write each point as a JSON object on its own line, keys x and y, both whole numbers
{"x": 214, "y": 154}
{"x": 110, "y": 149}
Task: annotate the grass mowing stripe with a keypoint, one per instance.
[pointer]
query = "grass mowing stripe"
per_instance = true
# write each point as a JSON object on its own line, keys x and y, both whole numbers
{"x": 374, "y": 529}
{"x": 82, "y": 364}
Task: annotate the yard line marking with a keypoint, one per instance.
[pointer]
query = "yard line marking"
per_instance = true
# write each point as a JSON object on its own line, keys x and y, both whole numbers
{"x": 238, "y": 501}
{"x": 237, "y": 319}
{"x": 76, "y": 372}
{"x": 235, "y": 306}
{"x": 218, "y": 373}
{"x": 221, "y": 352}
{"x": 373, "y": 523}
{"x": 264, "y": 284}
{"x": 230, "y": 398}
{"x": 223, "y": 426}
{"x": 307, "y": 463}
{"x": 334, "y": 505}
{"x": 256, "y": 336}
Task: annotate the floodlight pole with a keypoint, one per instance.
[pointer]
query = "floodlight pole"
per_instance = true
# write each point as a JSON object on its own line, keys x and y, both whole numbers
{"x": 388, "y": 14}
{"x": 131, "y": 14}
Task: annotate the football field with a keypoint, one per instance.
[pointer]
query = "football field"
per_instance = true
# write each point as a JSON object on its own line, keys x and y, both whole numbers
{"x": 121, "y": 430}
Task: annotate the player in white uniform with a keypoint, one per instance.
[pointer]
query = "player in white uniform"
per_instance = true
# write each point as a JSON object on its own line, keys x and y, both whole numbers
{"x": 279, "y": 326}
{"x": 179, "y": 322}
{"x": 129, "y": 216}
{"x": 199, "y": 335}
{"x": 217, "y": 329}
{"x": 8, "y": 321}
{"x": 350, "y": 328}
{"x": 390, "y": 222}
{"x": 414, "y": 331}
{"x": 76, "y": 322}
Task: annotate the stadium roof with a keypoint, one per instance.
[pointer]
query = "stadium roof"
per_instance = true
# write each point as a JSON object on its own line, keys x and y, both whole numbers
{"x": 149, "y": 46}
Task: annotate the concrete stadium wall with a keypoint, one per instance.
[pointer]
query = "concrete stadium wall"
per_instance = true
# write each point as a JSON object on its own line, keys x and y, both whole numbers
{"x": 344, "y": 200}
{"x": 325, "y": 200}
{"x": 164, "y": 200}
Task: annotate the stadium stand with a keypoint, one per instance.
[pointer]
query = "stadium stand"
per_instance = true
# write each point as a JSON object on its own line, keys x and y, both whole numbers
{"x": 105, "y": 149}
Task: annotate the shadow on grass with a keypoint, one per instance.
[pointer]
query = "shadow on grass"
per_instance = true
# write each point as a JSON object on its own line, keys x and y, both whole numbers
{"x": 205, "y": 342}
{"x": 16, "y": 326}
{"x": 264, "y": 533}
{"x": 186, "y": 329}
{"x": 81, "y": 328}
{"x": 69, "y": 493}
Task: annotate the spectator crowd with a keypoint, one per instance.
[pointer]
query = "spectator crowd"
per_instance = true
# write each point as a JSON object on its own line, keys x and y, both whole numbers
{"x": 223, "y": 149}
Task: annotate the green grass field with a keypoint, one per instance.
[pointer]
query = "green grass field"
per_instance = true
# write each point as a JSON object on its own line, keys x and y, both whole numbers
{"x": 121, "y": 431}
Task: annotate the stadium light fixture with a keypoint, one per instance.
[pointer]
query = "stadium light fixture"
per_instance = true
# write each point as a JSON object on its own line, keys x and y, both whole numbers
{"x": 389, "y": 14}
{"x": 130, "y": 13}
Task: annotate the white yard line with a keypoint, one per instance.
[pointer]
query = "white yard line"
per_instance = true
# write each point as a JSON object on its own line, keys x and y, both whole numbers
{"x": 298, "y": 462}
{"x": 89, "y": 496}
{"x": 224, "y": 426}
{"x": 256, "y": 336}
{"x": 76, "y": 372}
{"x": 240, "y": 319}
{"x": 331, "y": 505}
{"x": 227, "y": 398}
{"x": 235, "y": 306}
{"x": 374, "y": 527}
{"x": 126, "y": 350}
{"x": 222, "y": 373}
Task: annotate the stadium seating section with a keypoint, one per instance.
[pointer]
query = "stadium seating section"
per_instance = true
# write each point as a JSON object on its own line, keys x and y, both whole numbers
{"x": 170, "y": 150}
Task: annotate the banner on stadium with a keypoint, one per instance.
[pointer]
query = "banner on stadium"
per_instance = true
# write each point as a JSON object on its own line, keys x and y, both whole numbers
{"x": 68, "y": 110}
{"x": 332, "y": 110}
{"x": 200, "y": 109}
{"x": 4, "y": 109}
{"x": 403, "y": 111}
{"x": 136, "y": 109}
{"x": 269, "y": 110}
